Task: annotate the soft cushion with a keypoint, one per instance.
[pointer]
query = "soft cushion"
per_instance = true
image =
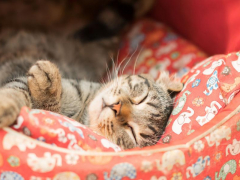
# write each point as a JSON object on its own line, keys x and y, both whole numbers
{"x": 150, "y": 46}
{"x": 210, "y": 86}
{"x": 61, "y": 131}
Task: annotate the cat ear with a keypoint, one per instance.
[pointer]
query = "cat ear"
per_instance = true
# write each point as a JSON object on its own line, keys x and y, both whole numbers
{"x": 170, "y": 83}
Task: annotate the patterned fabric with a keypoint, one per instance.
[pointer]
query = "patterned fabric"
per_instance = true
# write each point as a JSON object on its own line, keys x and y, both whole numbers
{"x": 149, "y": 47}
{"x": 209, "y": 87}
{"x": 205, "y": 148}
{"x": 61, "y": 131}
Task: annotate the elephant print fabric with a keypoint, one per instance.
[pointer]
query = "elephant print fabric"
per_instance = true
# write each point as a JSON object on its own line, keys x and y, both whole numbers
{"x": 120, "y": 171}
{"x": 54, "y": 129}
{"x": 150, "y": 47}
{"x": 209, "y": 87}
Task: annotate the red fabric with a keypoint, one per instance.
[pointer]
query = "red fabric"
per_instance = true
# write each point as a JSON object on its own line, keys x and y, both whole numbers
{"x": 61, "y": 131}
{"x": 150, "y": 46}
{"x": 212, "y": 25}
{"x": 211, "y": 85}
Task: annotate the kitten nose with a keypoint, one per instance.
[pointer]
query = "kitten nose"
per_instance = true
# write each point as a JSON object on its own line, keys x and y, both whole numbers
{"x": 116, "y": 107}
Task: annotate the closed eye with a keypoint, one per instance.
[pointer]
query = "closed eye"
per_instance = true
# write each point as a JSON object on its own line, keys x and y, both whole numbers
{"x": 137, "y": 103}
{"x": 133, "y": 133}
{"x": 143, "y": 99}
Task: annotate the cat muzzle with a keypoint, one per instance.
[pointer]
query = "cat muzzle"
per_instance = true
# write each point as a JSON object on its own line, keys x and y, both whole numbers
{"x": 116, "y": 107}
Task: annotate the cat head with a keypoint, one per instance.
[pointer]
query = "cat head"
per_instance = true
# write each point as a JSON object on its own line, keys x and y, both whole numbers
{"x": 132, "y": 110}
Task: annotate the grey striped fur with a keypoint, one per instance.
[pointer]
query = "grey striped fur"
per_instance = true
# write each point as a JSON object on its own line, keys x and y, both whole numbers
{"x": 131, "y": 111}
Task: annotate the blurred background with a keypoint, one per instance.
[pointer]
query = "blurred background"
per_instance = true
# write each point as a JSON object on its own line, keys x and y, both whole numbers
{"x": 213, "y": 26}
{"x": 55, "y": 15}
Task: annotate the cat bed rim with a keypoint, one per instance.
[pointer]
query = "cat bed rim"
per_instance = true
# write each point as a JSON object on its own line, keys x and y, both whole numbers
{"x": 131, "y": 152}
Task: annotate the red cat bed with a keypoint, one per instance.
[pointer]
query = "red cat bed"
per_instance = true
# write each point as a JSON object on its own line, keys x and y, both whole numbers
{"x": 201, "y": 139}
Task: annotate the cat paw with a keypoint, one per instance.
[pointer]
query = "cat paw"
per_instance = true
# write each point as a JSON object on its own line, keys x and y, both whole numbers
{"x": 44, "y": 82}
{"x": 9, "y": 109}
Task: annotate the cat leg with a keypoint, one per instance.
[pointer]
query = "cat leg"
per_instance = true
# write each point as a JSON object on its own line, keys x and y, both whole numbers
{"x": 13, "y": 96}
{"x": 44, "y": 82}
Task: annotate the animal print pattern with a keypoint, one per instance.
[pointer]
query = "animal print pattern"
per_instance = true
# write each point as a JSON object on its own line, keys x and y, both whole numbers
{"x": 208, "y": 95}
{"x": 52, "y": 128}
{"x": 150, "y": 47}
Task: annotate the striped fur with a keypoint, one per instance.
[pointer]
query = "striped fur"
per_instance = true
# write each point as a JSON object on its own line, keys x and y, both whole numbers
{"x": 144, "y": 104}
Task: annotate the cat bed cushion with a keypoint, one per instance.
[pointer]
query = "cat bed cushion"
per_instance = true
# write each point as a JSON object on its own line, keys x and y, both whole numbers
{"x": 27, "y": 150}
{"x": 210, "y": 86}
{"x": 61, "y": 131}
{"x": 150, "y": 46}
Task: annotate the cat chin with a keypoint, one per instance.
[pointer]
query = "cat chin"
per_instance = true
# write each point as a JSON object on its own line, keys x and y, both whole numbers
{"x": 96, "y": 111}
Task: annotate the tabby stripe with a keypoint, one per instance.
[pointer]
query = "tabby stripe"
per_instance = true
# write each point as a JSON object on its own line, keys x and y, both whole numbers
{"x": 27, "y": 96}
{"x": 88, "y": 94}
{"x": 123, "y": 143}
{"x": 24, "y": 91}
{"x": 49, "y": 80}
{"x": 76, "y": 86}
{"x": 108, "y": 127}
{"x": 155, "y": 115}
{"x": 152, "y": 128}
{"x": 145, "y": 136}
{"x": 112, "y": 125}
{"x": 6, "y": 112}
{"x": 118, "y": 141}
{"x": 79, "y": 112}
{"x": 147, "y": 83}
{"x": 50, "y": 105}
{"x": 87, "y": 98}
{"x": 17, "y": 80}
{"x": 128, "y": 77}
{"x": 142, "y": 77}
{"x": 146, "y": 80}
{"x": 61, "y": 95}
{"x": 70, "y": 115}
{"x": 129, "y": 83}
{"x": 153, "y": 105}
{"x": 21, "y": 88}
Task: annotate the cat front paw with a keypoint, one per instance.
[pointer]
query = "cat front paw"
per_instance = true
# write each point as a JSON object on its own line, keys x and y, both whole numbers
{"x": 10, "y": 107}
{"x": 44, "y": 82}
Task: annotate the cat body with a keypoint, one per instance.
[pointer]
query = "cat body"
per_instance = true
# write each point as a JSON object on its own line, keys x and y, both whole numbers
{"x": 50, "y": 71}
{"x": 130, "y": 110}
{"x": 19, "y": 50}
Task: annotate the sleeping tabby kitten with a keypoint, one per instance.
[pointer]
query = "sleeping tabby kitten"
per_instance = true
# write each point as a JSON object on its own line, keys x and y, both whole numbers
{"x": 130, "y": 111}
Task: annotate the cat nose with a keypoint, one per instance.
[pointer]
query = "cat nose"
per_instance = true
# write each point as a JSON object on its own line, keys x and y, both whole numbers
{"x": 116, "y": 107}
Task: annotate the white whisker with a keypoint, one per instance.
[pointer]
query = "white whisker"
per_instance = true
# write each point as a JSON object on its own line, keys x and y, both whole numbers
{"x": 129, "y": 59}
{"x": 134, "y": 67}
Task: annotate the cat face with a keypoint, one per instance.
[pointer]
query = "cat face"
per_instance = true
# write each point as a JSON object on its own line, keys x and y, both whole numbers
{"x": 132, "y": 111}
